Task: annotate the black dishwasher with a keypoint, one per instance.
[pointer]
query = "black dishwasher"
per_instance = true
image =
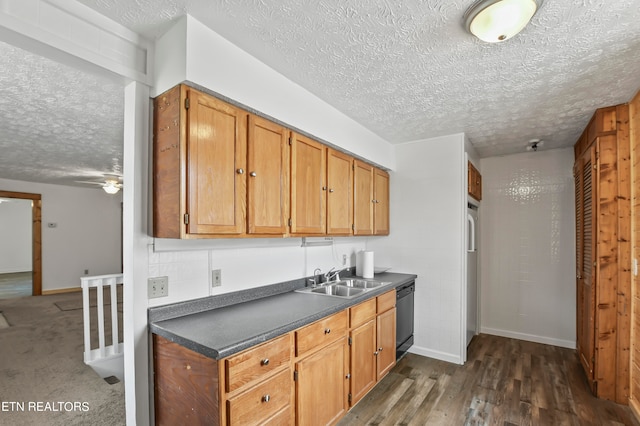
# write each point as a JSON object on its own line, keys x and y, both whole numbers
{"x": 404, "y": 318}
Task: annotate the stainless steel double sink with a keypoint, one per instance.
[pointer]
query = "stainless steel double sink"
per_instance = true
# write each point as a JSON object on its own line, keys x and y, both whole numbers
{"x": 346, "y": 288}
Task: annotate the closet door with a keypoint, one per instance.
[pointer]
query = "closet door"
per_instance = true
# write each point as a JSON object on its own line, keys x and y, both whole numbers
{"x": 586, "y": 196}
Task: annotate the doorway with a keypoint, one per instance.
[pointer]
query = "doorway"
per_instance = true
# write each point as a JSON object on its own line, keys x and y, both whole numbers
{"x": 36, "y": 236}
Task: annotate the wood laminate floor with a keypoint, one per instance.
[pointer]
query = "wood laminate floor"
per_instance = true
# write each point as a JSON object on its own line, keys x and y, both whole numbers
{"x": 504, "y": 382}
{"x": 17, "y": 284}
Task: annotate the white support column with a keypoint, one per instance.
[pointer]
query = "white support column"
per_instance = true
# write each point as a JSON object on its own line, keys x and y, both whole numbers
{"x": 72, "y": 33}
{"x": 136, "y": 257}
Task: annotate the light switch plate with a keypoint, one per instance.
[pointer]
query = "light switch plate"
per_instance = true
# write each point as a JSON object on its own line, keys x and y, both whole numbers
{"x": 158, "y": 287}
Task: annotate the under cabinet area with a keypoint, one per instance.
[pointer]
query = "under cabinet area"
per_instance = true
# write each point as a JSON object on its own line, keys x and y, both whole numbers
{"x": 221, "y": 172}
{"x": 310, "y": 375}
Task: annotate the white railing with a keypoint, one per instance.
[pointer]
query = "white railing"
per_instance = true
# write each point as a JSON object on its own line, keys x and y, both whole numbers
{"x": 103, "y": 352}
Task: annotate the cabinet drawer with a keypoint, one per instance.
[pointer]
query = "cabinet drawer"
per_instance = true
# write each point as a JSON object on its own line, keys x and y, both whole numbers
{"x": 261, "y": 402}
{"x": 362, "y": 312}
{"x": 256, "y": 362}
{"x": 386, "y": 301}
{"x": 321, "y": 333}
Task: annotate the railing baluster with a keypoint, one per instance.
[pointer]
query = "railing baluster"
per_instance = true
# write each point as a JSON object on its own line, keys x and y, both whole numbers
{"x": 87, "y": 319}
{"x": 101, "y": 346}
{"x": 98, "y": 283}
{"x": 114, "y": 316}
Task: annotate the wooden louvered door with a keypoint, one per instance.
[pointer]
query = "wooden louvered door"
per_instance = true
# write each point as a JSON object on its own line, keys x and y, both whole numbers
{"x": 586, "y": 196}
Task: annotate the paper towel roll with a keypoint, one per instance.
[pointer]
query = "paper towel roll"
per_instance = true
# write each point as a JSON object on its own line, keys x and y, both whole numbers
{"x": 367, "y": 264}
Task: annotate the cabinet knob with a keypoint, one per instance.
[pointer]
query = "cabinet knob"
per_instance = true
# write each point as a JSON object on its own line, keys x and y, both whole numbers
{"x": 240, "y": 171}
{"x": 379, "y": 349}
{"x": 264, "y": 361}
{"x": 348, "y": 376}
{"x": 253, "y": 174}
{"x": 331, "y": 190}
{"x": 324, "y": 188}
{"x": 266, "y": 398}
{"x": 376, "y": 353}
{"x": 327, "y": 330}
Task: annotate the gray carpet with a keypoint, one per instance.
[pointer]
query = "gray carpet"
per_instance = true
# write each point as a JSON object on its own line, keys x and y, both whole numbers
{"x": 42, "y": 374}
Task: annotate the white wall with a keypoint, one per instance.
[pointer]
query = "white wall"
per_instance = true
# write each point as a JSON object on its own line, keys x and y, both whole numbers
{"x": 15, "y": 236}
{"x": 87, "y": 233}
{"x": 427, "y": 229}
{"x": 527, "y": 248}
{"x": 216, "y": 64}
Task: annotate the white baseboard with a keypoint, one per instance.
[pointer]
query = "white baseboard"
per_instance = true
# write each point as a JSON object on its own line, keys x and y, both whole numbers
{"x": 430, "y": 353}
{"x": 529, "y": 337}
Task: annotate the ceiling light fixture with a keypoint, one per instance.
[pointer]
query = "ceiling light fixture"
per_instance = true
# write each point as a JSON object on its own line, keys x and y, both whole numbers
{"x": 499, "y": 20}
{"x": 111, "y": 187}
{"x": 534, "y": 144}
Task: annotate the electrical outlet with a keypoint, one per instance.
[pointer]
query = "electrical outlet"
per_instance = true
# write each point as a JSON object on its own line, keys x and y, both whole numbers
{"x": 158, "y": 287}
{"x": 86, "y": 272}
{"x": 216, "y": 278}
{"x": 344, "y": 260}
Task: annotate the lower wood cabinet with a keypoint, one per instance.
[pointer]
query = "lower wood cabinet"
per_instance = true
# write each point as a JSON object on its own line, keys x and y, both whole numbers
{"x": 322, "y": 385}
{"x": 310, "y": 376}
{"x": 372, "y": 341}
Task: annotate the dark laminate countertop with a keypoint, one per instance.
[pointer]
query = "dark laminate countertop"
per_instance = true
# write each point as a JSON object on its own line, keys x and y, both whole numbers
{"x": 219, "y": 326}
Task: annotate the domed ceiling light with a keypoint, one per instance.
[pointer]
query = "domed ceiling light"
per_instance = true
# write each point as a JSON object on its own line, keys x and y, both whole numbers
{"x": 111, "y": 186}
{"x": 498, "y": 20}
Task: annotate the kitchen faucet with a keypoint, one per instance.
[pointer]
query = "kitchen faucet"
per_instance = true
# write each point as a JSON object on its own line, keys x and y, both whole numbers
{"x": 335, "y": 276}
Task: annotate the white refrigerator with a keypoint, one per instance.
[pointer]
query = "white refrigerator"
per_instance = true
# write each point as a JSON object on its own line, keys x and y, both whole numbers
{"x": 472, "y": 271}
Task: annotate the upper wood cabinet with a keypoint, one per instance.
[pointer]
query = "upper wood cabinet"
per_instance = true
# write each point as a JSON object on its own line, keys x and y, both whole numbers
{"x": 371, "y": 200}
{"x": 220, "y": 172}
{"x": 321, "y": 189}
{"x": 362, "y": 198}
{"x": 268, "y": 177}
{"x": 199, "y": 155}
{"x": 339, "y": 193}
{"x": 474, "y": 182}
{"x": 380, "y": 202}
{"x": 308, "y": 186}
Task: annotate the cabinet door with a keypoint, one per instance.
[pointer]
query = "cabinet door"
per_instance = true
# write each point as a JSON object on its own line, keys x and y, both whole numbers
{"x": 386, "y": 338}
{"x": 363, "y": 360}
{"x": 362, "y": 198}
{"x": 322, "y": 385}
{"x": 268, "y": 180}
{"x": 216, "y": 161}
{"x": 340, "y": 193}
{"x": 308, "y": 186}
{"x": 381, "y": 202}
{"x": 586, "y": 196}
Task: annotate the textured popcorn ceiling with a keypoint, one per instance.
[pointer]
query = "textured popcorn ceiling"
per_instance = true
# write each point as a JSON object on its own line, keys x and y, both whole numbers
{"x": 405, "y": 69}
{"x": 58, "y": 125}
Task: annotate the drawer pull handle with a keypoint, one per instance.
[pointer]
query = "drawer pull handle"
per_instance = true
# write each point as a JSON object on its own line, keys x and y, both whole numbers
{"x": 327, "y": 330}
{"x": 264, "y": 361}
{"x": 266, "y": 398}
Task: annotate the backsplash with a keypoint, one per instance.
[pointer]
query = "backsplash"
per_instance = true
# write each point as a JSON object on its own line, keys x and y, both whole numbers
{"x": 244, "y": 264}
{"x": 527, "y": 253}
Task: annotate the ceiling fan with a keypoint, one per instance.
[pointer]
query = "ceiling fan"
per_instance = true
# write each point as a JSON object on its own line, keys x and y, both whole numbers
{"x": 111, "y": 183}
